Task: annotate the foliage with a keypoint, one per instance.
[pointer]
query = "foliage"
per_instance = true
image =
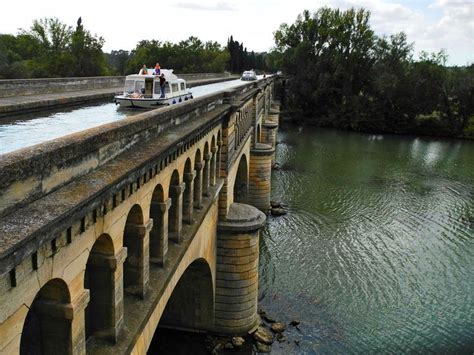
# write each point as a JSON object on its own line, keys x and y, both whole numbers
{"x": 50, "y": 48}
{"x": 344, "y": 76}
{"x": 188, "y": 56}
{"x": 117, "y": 60}
{"x": 241, "y": 59}
{"x": 85, "y": 53}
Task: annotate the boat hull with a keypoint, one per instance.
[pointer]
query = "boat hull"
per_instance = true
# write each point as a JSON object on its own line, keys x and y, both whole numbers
{"x": 125, "y": 101}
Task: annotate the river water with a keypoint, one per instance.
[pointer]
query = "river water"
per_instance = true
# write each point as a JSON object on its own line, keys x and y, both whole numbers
{"x": 376, "y": 254}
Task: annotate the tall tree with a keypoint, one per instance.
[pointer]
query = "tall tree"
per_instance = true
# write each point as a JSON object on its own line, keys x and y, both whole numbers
{"x": 85, "y": 56}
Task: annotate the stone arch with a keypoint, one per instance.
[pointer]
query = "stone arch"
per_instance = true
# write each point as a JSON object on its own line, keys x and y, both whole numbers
{"x": 101, "y": 314}
{"x": 241, "y": 183}
{"x": 191, "y": 305}
{"x": 188, "y": 177}
{"x": 175, "y": 212}
{"x": 135, "y": 268}
{"x": 198, "y": 167}
{"x": 47, "y": 327}
{"x": 159, "y": 232}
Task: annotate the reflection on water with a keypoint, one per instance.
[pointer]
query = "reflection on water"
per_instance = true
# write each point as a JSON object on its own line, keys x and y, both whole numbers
{"x": 377, "y": 252}
{"x": 27, "y": 130}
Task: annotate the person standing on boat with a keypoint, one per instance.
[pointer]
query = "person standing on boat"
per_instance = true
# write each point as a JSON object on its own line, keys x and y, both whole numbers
{"x": 143, "y": 70}
{"x": 162, "y": 86}
{"x": 157, "y": 69}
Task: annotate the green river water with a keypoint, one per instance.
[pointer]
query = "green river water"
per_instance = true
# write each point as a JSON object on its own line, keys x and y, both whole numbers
{"x": 376, "y": 254}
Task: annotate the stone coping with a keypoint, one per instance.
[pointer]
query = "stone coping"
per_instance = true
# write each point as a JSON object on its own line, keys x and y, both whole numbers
{"x": 242, "y": 218}
{"x": 262, "y": 149}
{"x": 270, "y": 125}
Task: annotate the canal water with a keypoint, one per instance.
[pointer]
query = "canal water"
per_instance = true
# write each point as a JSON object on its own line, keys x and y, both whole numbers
{"x": 27, "y": 130}
{"x": 376, "y": 254}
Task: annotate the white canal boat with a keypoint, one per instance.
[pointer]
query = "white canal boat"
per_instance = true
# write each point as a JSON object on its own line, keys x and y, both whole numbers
{"x": 144, "y": 90}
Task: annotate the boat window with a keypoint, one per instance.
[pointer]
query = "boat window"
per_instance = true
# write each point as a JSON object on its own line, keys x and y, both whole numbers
{"x": 167, "y": 88}
{"x": 129, "y": 86}
{"x": 183, "y": 86}
{"x": 174, "y": 87}
{"x": 140, "y": 86}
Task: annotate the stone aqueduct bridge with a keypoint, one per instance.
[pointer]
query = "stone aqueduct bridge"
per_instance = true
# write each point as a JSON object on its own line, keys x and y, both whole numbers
{"x": 153, "y": 220}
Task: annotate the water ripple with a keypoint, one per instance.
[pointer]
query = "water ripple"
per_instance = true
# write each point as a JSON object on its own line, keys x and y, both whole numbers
{"x": 379, "y": 240}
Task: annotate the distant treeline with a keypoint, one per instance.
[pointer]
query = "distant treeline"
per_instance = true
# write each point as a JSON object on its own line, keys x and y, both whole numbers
{"x": 51, "y": 48}
{"x": 191, "y": 56}
{"x": 342, "y": 75}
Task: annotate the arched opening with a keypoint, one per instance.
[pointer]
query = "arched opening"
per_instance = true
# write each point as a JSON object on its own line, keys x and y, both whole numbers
{"x": 207, "y": 171}
{"x": 175, "y": 211}
{"x": 99, "y": 279}
{"x": 237, "y": 135}
{"x": 198, "y": 166}
{"x": 190, "y": 307}
{"x": 257, "y": 137}
{"x": 135, "y": 268}
{"x": 159, "y": 232}
{"x": 47, "y": 329}
{"x": 219, "y": 150}
{"x": 213, "y": 162}
{"x": 241, "y": 181}
{"x": 188, "y": 192}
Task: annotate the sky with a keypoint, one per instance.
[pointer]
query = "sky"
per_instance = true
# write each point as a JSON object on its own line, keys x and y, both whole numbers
{"x": 431, "y": 24}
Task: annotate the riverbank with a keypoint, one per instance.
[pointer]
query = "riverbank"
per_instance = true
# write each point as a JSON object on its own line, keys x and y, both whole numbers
{"x": 429, "y": 126}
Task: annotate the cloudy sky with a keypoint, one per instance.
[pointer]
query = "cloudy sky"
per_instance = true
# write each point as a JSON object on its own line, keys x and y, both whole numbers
{"x": 431, "y": 24}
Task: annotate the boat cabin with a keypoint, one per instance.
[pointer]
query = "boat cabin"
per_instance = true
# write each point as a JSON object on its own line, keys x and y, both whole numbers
{"x": 148, "y": 85}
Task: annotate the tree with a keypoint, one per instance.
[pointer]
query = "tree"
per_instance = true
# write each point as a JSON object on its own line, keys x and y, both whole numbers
{"x": 344, "y": 76}
{"x": 188, "y": 56}
{"x": 328, "y": 52}
{"x": 117, "y": 60}
{"x": 85, "y": 55}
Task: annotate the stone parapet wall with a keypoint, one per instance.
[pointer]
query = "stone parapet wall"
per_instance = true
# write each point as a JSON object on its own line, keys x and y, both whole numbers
{"x": 14, "y": 87}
